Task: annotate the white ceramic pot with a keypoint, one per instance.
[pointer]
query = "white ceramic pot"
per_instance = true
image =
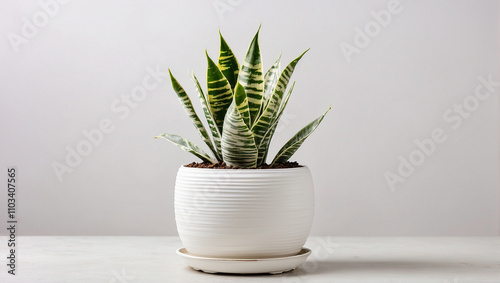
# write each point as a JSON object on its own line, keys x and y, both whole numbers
{"x": 244, "y": 213}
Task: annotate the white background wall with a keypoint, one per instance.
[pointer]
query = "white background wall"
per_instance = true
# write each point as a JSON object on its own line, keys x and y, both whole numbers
{"x": 69, "y": 73}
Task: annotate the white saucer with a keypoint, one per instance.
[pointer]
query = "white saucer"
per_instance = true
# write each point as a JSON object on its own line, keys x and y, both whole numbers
{"x": 244, "y": 266}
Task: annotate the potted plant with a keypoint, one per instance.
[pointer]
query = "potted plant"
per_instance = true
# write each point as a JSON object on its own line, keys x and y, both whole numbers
{"x": 233, "y": 204}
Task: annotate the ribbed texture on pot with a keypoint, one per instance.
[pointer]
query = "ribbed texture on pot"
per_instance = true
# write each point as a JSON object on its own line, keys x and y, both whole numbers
{"x": 244, "y": 213}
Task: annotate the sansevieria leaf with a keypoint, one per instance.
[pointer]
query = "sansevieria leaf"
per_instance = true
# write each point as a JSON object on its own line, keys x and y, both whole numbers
{"x": 238, "y": 145}
{"x": 270, "y": 80}
{"x": 242, "y": 107}
{"x": 187, "y": 146}
{"x": 263, "y": 147}
{"x": 240, "y": 98}
{"x": 216, "y": 134}
{"x": 296, "y": 141}
{"x": 284, "y": 102}
{"x": 269, "y": 114}
{"x": 251, "y": 77}
{"x": 188, "y": 107}
{"x": 228, "y": 64}
{"x": 220, "y": 95}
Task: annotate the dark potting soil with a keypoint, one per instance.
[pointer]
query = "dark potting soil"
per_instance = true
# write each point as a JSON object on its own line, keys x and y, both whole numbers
{"x": 222, "y": 165}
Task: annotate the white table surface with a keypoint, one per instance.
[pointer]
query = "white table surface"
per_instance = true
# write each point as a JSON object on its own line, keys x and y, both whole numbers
{"x": 337, "y": 260}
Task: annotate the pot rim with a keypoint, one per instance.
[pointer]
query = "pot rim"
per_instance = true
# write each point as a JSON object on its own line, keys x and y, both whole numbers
{"x": 302, "y": 167}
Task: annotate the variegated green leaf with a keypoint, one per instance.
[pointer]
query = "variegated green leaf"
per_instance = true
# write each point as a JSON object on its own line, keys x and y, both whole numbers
{"x": 238, "y": 144}
{"x": 284, "y": 102}
{"x": 220, "y": 95}
{"x": 187, "y": 146}
{"x": 270, "y": 80}
{"x": 240, "y": 98}
{"x": 188, "y": 107}
{"x": 216, "y": 134}
{"x": 243, "y": 108}
{"x": 263, "y": 147}
{"x": 228, "y": 63}
{"x": 268, "y": 116}
{"x": 252, "y": 79}
{"x": 296, "y": 141}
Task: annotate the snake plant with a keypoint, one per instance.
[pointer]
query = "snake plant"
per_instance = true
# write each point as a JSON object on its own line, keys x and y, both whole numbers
{"x": 242, "y": 107}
